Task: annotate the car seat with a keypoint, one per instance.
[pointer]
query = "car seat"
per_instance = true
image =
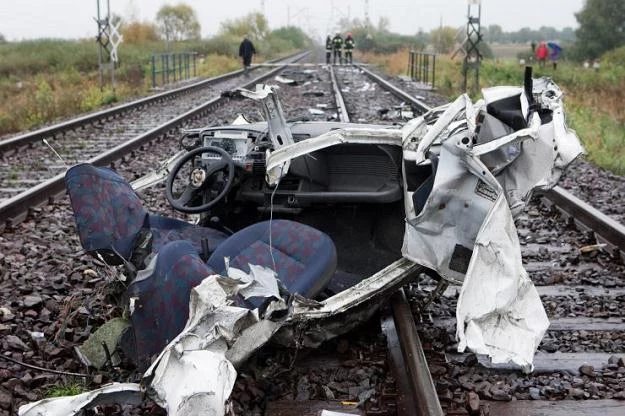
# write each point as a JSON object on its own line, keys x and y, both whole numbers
{"x": 113, "y": 224}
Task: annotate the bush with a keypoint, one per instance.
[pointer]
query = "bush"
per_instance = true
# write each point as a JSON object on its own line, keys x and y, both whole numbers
{"x": 94, "y": 98}
{"x": 615, "y": 57}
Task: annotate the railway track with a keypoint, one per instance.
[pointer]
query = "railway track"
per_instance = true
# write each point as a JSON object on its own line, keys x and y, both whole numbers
{"x": 49, "y": 286}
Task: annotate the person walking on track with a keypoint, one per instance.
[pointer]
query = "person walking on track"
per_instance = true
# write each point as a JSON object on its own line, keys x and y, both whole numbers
{"x": 246, "y": 51}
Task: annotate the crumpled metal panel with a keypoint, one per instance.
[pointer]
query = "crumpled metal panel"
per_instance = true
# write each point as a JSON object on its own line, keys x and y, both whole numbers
{"x": 465, "y": 231}
{"x": 128, "y": 393}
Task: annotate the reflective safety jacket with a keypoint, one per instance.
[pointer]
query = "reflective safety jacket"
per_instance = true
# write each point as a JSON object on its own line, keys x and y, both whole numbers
{"x": 349, "y": 43}
{"x": 337, "y": 42}
{"x": 328, "y": 43}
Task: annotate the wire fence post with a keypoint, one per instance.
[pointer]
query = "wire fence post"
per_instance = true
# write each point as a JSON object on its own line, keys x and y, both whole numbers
{"x": 153, "y": 70}
{"x": 172, "y": 67}
{"x": 422, "y": 67}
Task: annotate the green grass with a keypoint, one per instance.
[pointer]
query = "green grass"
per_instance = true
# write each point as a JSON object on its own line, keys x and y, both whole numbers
{"x": 66, "y": 389}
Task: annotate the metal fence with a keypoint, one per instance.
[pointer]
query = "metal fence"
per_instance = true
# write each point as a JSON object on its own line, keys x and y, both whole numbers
{"x": 172, "y": 67}
{"x": 422, "y": 67}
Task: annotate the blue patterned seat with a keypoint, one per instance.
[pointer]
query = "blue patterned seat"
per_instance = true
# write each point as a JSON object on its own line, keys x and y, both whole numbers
{"x": 305, "y": 258}
{"x": 160, "y": 299}
{"x": 112, "y": 222}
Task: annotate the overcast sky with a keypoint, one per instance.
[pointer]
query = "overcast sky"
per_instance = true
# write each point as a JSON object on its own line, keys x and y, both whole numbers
{"x": 28, "y": 19}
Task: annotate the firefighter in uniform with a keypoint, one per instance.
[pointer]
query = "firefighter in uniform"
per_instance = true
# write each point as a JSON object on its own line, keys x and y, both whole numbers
{"x": 328, "y": 49}
{"x": 337, "y": 45}
{"x": 349, "y": 46}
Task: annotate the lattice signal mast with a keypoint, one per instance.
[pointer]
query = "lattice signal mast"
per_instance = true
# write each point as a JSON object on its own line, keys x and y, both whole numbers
{"x": 473, "y": 57}
{"x": 108, "y": 39}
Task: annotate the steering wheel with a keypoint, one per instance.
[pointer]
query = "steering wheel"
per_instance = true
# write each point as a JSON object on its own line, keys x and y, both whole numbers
{"x": 199, "y": 181}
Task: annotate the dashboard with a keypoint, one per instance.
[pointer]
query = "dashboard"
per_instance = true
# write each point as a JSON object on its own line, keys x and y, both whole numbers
{"x": 236, "y": 143}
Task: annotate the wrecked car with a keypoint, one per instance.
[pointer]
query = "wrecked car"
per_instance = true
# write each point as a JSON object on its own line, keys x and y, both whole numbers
{"x": 304, "y": 228}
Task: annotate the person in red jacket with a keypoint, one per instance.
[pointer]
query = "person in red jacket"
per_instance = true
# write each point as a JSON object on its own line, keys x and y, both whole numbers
{"x": 541, "y": 54}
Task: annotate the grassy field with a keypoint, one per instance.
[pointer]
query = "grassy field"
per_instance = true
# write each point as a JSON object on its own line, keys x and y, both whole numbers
{"x": 47, "y": 80}
{"x": 593, "y": 99}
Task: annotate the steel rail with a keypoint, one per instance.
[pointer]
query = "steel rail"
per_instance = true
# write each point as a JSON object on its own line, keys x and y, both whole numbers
{"x": 606, "y": 229}
{"x": 16, "y": 209}
{"x": 35, "y": 136}
{"x": 338, "y": 97}
{"x": 421, "y": 383}
{"x": 416, "y": 103}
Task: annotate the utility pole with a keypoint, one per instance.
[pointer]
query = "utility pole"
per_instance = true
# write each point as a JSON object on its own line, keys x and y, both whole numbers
{"x": 473, "y": 57}
{"x": 102, "y": 40}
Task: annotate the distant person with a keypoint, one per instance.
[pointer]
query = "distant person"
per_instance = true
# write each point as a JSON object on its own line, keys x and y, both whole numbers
{"x": 246, "y": 51}
{"x": 337, "y": 47}
{"x": 596, "y": 65}
{"x": 555, "y": 55}
{"x": 349, "y": 46}
{"x": 541, "y": 54}
{"x": 328, "y": 49}
{"x": 533, "y": 46}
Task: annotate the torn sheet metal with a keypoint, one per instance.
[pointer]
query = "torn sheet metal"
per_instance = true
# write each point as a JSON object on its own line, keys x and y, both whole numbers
{"x": 193, "y": 373}
{"x": 312, "y": 323}
{"x": 499, "y": 311}
{"x": 486, "y": 159}
{"x": 190, "y": 382}
{"x": 260, "y": 281}
{"x": 279, "y": 132}
{"x": 127, "y": 393}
